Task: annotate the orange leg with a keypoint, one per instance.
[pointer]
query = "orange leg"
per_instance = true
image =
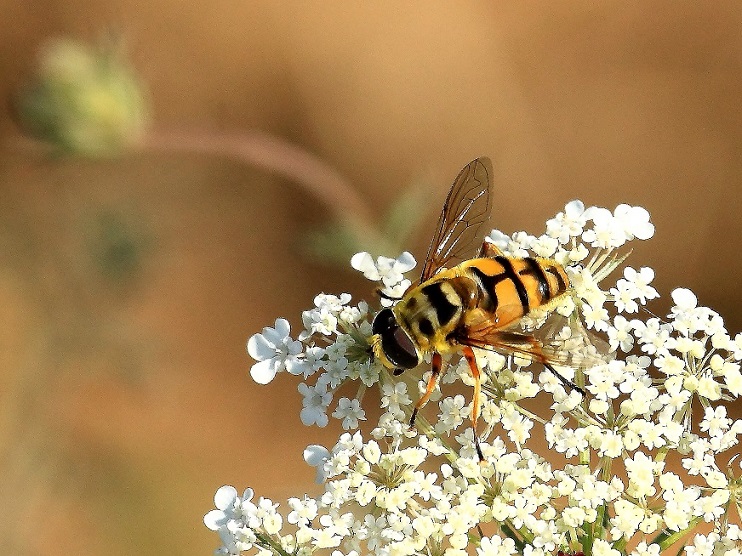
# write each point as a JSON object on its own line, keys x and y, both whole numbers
{"x": 472, "y": 361}
{"x": 489, "y": 250}
{"x": 432, "y": 382}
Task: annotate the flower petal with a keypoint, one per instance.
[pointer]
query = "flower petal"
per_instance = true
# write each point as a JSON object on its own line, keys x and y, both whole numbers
{"x": 574, "y": 208}
{"x": 225, "y": 497}
{"x": 363, "y": 262}
{"x": 684, "y": 298}
{"x": 405, "y": 262}
{"x": 264, "y": 371}
{"x": 297, "y": 366}
{"x": 215, "y": 519}
{"x": 315, "y": 454}
{"x": 282, "y": 327}
{"x": 259, "y": 348}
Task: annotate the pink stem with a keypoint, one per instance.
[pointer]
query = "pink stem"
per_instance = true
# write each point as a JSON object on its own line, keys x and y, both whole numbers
{"x": 275, "y": 155}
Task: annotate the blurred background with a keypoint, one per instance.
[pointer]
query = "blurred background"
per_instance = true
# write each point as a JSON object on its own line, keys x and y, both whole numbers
{"x": 177, "y": 211}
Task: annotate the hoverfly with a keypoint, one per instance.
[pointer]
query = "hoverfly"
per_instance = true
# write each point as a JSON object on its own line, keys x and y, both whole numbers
{"x": 476, "y": 302}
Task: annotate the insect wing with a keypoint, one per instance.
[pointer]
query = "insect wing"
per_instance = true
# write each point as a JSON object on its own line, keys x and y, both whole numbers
{"x": 467, "y": 207}
{"x": 559, "y": 341}
{"x": 568, "y": 340}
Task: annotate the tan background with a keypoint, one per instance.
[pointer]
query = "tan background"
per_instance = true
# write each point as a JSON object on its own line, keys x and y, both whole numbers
{"x": 126, "y": 406}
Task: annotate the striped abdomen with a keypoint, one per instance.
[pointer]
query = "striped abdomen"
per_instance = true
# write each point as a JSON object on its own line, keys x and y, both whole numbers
{"x": 510, "y": 288}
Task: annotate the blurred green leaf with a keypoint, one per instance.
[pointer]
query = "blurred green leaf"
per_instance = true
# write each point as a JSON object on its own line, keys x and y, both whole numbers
{"x": 338, "y": 242}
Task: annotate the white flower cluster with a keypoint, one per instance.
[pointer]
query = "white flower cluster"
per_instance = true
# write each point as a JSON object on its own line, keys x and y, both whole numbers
{"x": 610, "y": 483}
{"x": 332, "y": 348}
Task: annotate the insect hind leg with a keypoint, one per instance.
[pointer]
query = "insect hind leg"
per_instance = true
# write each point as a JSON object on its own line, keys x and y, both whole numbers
{"x": 526, "y": 343}
{"x": 564, "y": 380}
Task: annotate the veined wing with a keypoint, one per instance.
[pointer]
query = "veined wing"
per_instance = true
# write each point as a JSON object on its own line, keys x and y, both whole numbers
{"x": 559, "y": 341}
{"x": 467, "y": 207}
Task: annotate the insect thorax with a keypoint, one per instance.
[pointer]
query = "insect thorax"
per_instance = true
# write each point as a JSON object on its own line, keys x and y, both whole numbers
{"x": 433, "y": 311}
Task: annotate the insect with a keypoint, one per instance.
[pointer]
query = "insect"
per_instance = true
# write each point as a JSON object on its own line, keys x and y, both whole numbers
{"x": 476, "y": 302}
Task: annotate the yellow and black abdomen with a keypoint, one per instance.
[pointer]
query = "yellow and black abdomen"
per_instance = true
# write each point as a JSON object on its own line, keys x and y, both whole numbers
{"x": 511, "y": 287}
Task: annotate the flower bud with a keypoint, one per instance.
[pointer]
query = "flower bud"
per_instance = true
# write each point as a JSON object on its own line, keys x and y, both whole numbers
{"x": 82, "y": 99}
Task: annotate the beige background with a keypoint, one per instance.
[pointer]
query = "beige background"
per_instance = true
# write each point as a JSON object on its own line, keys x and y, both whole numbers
{"x": 126, "y": 407}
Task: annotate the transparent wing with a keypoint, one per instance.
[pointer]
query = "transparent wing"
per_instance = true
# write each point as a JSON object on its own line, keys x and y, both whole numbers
{"x": 467, "y": 207}
{"x": 570, "y": 343}
{"x": 559, "y": 341}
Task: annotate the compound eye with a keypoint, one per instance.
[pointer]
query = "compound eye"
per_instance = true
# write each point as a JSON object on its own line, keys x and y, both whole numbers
{"x": 383, "y": 321}
{"x": 397, "y": 345}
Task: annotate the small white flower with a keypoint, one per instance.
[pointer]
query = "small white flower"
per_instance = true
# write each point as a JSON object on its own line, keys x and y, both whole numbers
{"x": 568, "y": 224}
{"x": 545, "y": 246}
{"x": 316, "y": 400}
{"x": 702, "y": 460}
{"x": 226, "y": 500}
{"x": 644, "y": 549}
{"x": 452, "y": 413}
{"x": 595, "y": 317}
{"x": 332, "y": 303}
{"x": 350, "y": 412}
{"x": 619, "y": 335}
{"x": 496, "y": 546}
{"x": 635, "y": 221}
{"x": 653, "y": 336}
{"x": 395, "y": 395}
{"x": 715, "y": 421}
{"x": 607, "y": 232}
{"x": 633, "y": 287}
{"x": 638, "y": 283}
{"x": 275, "y": 351}
{"x": 388, "y": 271}
{"x": 516, "y": 246}
{"x": 517, "y": 425}
{"x": 603, "y": 548}
{"x": 316, "y": 456}
{"x": 234, "y": 519}
{"x": 302, "y": 510}
{"x": 642, "y": 471}
{"x": 577, "y": 254}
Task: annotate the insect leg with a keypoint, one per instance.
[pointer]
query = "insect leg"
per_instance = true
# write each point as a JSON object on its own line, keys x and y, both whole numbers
{"x": 383, "y": 295}
{"x": 490, "y": 250}
{"x": 436, "y": 364}
{"x": 525, "y": 343}
{"x": 564, "y": 380}
{"x": 472, "y": 361}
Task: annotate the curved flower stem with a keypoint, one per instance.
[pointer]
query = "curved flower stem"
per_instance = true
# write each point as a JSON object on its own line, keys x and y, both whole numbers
{"x": 273, "y": 154}
{"x": 262, "y": 150}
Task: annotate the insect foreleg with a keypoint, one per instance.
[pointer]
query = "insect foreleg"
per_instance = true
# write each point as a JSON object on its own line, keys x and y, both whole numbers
{"x": 380, "y": 292}
{"x": 436, "y": 363}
